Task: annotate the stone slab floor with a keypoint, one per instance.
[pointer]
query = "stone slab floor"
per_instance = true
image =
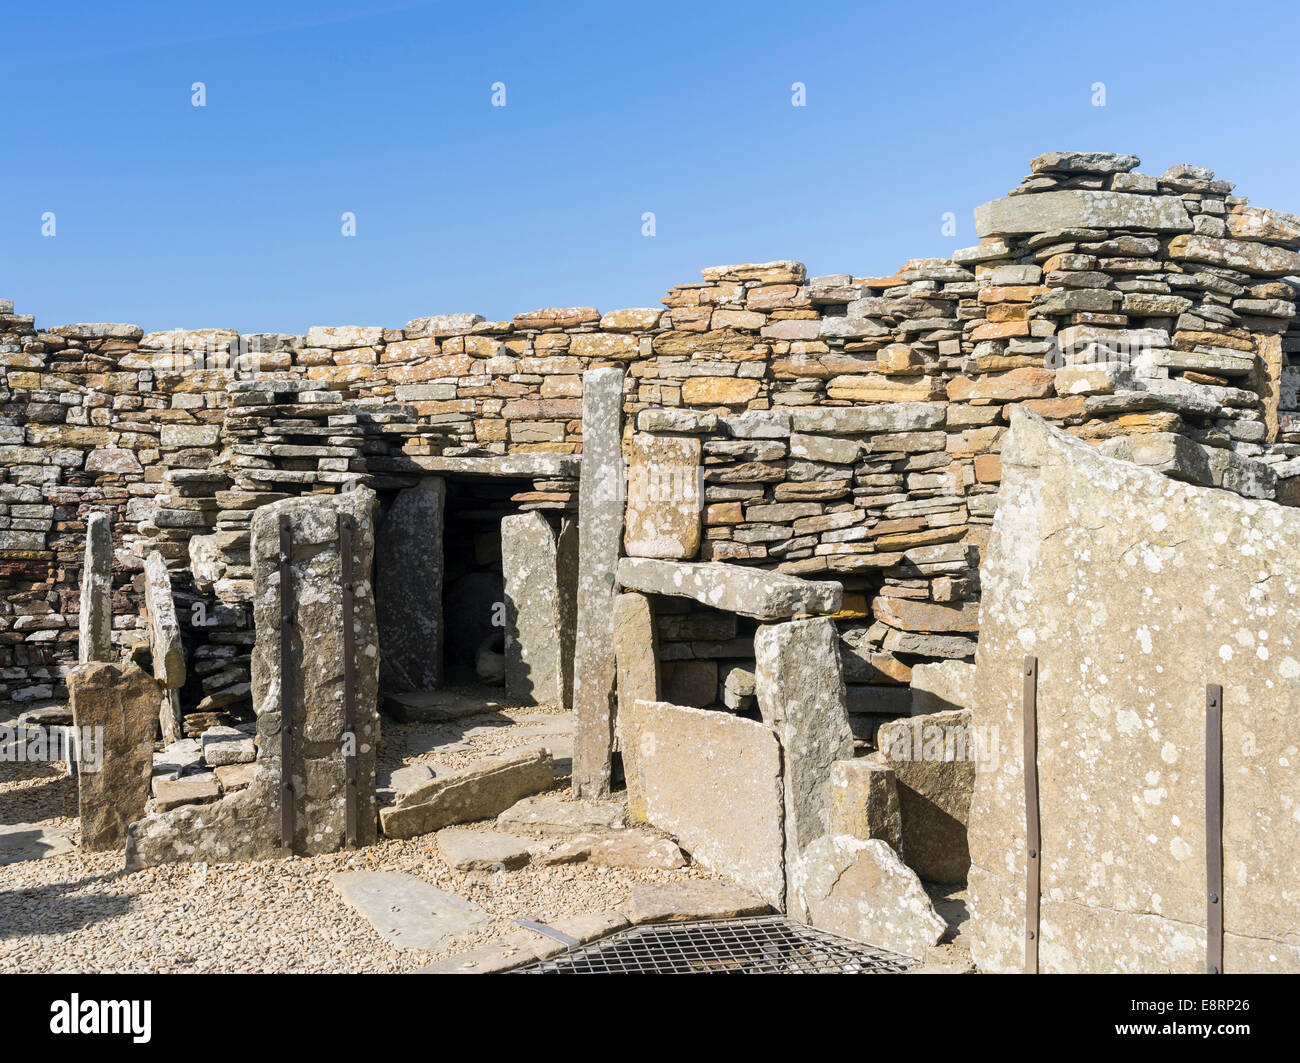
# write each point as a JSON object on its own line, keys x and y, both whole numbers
{"x": 79, "y": 912}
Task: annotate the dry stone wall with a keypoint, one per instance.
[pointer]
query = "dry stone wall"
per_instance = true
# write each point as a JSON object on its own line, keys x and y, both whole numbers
{"x": 838, "y": 427}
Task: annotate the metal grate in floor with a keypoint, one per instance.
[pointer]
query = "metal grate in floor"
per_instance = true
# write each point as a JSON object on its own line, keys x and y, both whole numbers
{"x": 762, "y": 945}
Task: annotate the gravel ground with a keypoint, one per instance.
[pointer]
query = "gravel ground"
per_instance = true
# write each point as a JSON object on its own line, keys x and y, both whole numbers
{"x": 80, "y": 913}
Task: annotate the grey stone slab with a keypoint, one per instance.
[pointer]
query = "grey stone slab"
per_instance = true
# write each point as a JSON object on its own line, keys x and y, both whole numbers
{"x": 800, "y": 691}
{"x": 552, "y": 814}
{"x": 863, "y": 420}
{"x": 933, "y": 757}
{"x": 862, "y": 890}
{"x": 118, "y": 706}
{"x": 534, "y": 649}
{"x": 1172, "y": 586}
{"x": 164, "y": 629}
{"x": 409, "y": 577}
{"x": 636, "y": 650}
{"x": 462, "y": 795}
{"x": 750, "y": 592}
{"x": 95, "y": 620}
{"x": 714, "y": 782}
{"x": 601, "y": 500}
{"x": 477, "y": 850}
{"x": 1080, "y": 209}
{"x": 406, "y": 911}
{"x": 681, "y": 902}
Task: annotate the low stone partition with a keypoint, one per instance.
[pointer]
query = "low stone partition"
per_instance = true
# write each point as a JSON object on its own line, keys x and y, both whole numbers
{"x": 1134, "y": 592}
{"x": 246, "y": 824}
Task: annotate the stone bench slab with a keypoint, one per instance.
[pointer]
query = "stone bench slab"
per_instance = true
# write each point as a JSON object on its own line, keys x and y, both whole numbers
{"x": 750, "y": 592}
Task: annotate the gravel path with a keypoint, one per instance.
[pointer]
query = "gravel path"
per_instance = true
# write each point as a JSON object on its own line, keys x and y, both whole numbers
{"x": 80, "y": 913}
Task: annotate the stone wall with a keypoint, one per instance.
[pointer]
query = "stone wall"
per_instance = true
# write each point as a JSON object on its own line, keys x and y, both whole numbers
{"x": 841, "y": 427}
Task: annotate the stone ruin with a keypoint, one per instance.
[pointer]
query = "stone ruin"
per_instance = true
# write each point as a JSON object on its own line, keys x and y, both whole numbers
{"x": 755, "y": 539}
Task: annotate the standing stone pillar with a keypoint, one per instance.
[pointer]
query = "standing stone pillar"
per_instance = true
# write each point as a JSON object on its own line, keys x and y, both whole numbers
{"x": 636, "y": 652}
{"x": 95, "y": 621}
{"x": 600, "y": 528}
{"x": 533, "y": 645}
{"x": 115, "y": 713}
{"x": 316, "y": 658}
{"x": 409, "y": 571}
{"x": 165, "y": 640}
{"x": 566, "y": 567}
{"x": 800, "y": 689}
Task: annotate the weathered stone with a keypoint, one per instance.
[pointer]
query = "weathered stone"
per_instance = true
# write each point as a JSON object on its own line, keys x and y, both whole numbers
{"x": 477, "y": 850}
{"x": 225, "y": 745}
{"x": 713, "y": 781}
{"x": 1083, "y": 162}
{"x": 861, "y": 889}
{"x": 406, "y": 911}
{"x": 1120, "y": 765}
{"x": 164, "y": 629}
{"x": 535, "y": 645}
{"x": 630, "y": 848}
{"x": 189, "y": 790}
{"x": 636, "y": 651}
{"x": 245, "y": 825}
{"x": 908, "y": 614}
{"x": 601, "y": 493}
{"x": 681, "y": 902}
{"x": 863, "y": 420}
{"x": 556, "y": 814}
{"x": 115, "y": 710}
{"x": 1254, "y": 258}
{"x": 1080, "y": 209}
{"x": 95, "y": 627}
{"x": 664, "y": 497}
{"x": 750, "y": 592}
{"x": 409, "y": 578}
{"x": 933, "y": 758}
{"x": 800, "y": 690}
{"x": 462, "y": 795}
{"x": 862, "y": 797}
{"x": 941, "y": 686}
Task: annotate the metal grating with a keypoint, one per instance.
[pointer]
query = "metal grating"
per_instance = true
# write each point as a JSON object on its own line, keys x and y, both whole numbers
{"x": 762, "y": 945}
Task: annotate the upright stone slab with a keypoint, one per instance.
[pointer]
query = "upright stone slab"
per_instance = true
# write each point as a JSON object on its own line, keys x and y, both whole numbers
{"x": 164, "y": 628}
{"x": 246, "y": 825}
{"x": 801, "y": 695}
{"x": 95, "y": 621}
{"x": 165, "y": 644}
{"x": 533, "y": 643}
{"x": 713, "y": 781}
{"x": 115, "y": 711}
{"x": 409, "y": 573}
{"x": 664, "y": 497}
{"x": 636, "y": 652}
{"x": 1134, "y": 591}
{"x": 933, "y": 758}
{"x": 600, "y": 515}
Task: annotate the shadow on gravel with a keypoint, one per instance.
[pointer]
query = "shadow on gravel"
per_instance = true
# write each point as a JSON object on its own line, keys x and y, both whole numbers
{"x": 56, "y": 796}
{"x": 58, "y": 908}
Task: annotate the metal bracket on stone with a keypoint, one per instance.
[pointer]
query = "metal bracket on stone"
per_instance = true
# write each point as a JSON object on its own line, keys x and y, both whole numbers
{"x": 1033, "y": 831}
{"x": 286, "y": 690}
{"x": 547, "y": 931}
{"x": 349, "y": 678}
{"x": 1213, "y": 829}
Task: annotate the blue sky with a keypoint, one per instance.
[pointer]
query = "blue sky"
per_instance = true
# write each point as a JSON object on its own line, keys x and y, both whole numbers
{"x": 229, "y": 215}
